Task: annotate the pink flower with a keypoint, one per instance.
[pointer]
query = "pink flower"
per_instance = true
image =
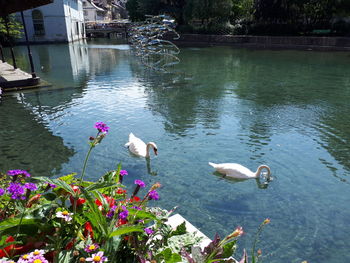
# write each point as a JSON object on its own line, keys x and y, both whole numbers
{"x": 98, "y": 257}
{"x": 65, "y": 215}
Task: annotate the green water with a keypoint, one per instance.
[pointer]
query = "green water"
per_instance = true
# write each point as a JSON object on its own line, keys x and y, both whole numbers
{"x": 287, "y": 109}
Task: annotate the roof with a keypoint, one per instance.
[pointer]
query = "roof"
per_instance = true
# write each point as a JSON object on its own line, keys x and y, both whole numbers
{"x": 8, "y": 7}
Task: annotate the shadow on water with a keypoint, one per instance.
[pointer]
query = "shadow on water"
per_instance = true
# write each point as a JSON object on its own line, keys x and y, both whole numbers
{"x": 27, "y": 142}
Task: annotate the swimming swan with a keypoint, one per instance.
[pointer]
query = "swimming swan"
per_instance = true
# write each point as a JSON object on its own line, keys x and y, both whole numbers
{"x": 139, "y": 148}
{"x": 238, "y": 171}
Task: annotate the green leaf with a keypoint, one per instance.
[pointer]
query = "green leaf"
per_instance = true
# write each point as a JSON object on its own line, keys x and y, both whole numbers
{"x": 180, "y": 230}
{"x": 95, "y": 215}
{"x": 101, "y": 185}
{"x": 65, "y": 256}
{"x": 143, "y": 214}
{"x": 69, "y": 178}
{"x": 229, "y": 249}
{"x": 125, "y": 230}
{"x": 49, "y": 196}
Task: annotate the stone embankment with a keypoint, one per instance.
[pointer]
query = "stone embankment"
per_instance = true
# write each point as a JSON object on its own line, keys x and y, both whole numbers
{"x": 273, "y": 42}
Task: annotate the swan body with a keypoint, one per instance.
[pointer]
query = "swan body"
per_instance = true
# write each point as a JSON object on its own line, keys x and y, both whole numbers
{"x": 139, "y": 148}
{"x": 238, "y": 171}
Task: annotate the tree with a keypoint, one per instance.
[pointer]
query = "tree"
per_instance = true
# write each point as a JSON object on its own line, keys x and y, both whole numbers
{"x": 14, "y": 29}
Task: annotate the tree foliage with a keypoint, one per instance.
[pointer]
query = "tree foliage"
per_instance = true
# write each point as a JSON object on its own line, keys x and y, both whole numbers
{"x": 258, "y": 16}
{"x": 14, "y": 28}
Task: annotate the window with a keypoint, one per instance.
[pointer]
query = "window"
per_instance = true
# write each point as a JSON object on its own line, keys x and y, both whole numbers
{"x": 38, "y": 23}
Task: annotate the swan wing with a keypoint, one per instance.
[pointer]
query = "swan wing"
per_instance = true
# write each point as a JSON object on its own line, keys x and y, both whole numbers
{"x": 234, "y": 170}
{"x": 136, "y": 145}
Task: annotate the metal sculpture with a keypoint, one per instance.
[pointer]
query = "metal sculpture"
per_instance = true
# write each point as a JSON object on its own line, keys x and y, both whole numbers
{"x": 148, "y": 42}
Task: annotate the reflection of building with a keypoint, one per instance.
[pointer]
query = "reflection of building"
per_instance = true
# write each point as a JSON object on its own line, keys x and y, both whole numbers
{"x": 61, "y": 21}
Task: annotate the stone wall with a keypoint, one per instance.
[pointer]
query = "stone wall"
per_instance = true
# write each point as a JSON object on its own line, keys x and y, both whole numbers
{"x": 317, "y": 43}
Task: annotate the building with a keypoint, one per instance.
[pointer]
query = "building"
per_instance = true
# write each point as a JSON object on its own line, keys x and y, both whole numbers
{"x": 60, "y": 21}
{"x": 94, "y": 13}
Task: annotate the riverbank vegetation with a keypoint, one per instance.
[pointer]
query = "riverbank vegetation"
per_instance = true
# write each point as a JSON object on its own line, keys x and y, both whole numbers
{"x": 258, "y": 17}
{"x": 69, "y": 219}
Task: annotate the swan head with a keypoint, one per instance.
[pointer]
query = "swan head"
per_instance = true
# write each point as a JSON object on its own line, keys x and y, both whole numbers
{"x": 154, "y": 147}
{"x": 268, "y": 176}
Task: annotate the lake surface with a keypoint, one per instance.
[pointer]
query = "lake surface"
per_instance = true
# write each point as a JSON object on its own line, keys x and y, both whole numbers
{"x": 287, "y": 109}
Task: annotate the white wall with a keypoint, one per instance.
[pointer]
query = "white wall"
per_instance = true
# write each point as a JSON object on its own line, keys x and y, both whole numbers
{"x": 60, "y": 19}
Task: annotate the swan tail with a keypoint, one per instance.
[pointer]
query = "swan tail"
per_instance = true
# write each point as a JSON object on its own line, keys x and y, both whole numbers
{"x": 131, "y": 136}
{"x": 213, "y": 164}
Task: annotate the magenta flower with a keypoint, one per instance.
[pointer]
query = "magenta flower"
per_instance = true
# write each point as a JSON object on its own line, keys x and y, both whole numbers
{"x": 2, "y": 191}
{"x": 148, "y": 231}
{"x": 97, "y": 258}
{"x": 140, "y": 183}
{"x": 91, "y": 248}
{"x": 153, "y": 195}
{"x": 101, "y": 127}
{"x": 123, "y": 172}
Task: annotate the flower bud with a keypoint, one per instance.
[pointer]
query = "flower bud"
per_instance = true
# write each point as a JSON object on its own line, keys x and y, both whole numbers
{"x": 155, "y": 186}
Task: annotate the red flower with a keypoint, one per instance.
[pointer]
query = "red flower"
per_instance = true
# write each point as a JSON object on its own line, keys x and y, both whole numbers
{"x": 135, "y": 199}
{"x": 122, "y": 222}
{"x": 75, "y": 189}
{"x": 80, "y": 201}
{"x": 7, "y": 250}
{"x": 88, "y": 230}
{"x": 109, "y": 200}
{"x": 70, "y": 244}
{"x": 121, "y": 191}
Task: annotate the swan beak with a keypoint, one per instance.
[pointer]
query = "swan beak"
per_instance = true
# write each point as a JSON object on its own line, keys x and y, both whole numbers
{"x": 155, "y": 151}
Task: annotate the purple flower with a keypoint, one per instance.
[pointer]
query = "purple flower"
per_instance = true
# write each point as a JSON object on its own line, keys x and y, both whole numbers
{"x": 16, "y": 190}
{"x": 101, "y": 127}
{"x": 110, "y": 213}
{"x": 51, "y": 185}
{"x": 124, "y": 214}
{"x": 18, "y": 172}
{"x": 136, "y": 207}
{"x": 123, "y": 172}
{"x": 91, "y": 248}
{"x": 30, "y": 186}
{"x": 153, "y": 195}
{"x": 97, "y": 258}
{"x": 148, "y": 231}
{"x": 140, "y": 183}
{"x": 2, "y": 191}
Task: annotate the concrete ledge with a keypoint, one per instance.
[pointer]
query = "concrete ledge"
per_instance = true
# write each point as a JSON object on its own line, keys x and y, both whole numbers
{"x": 279, "y": 42}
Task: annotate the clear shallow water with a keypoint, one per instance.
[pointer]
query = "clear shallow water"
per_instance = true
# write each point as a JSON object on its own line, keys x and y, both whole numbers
{"x": 287, "y": 109}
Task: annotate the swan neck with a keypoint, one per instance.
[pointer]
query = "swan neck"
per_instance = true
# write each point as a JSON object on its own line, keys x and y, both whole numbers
{"x": 148, "y": 147}
{"x": 257, "y": 174}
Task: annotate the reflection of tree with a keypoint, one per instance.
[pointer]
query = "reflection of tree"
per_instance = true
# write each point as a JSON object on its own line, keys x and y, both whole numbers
{"x": 335, "y": 137}
{"x": 191, "y": 96}
{"x": 26, "y": 142}
{"x": 287, "y": 93}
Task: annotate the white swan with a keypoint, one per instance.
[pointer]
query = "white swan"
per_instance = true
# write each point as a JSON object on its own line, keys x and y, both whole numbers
{"x": 238, "y": 171}
{"x": 139, "y": 148}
